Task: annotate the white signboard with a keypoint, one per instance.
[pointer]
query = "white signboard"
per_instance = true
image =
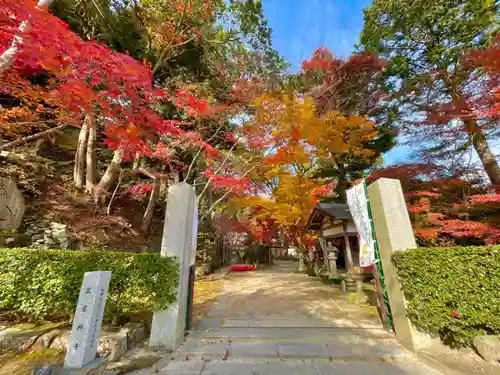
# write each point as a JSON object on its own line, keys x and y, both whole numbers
{"x": 84, "y": 338}
{"x": 358, "y": 205}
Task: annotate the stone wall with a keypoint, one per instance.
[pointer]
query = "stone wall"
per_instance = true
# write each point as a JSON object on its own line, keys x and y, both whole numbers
{"x": 46, "y": 234}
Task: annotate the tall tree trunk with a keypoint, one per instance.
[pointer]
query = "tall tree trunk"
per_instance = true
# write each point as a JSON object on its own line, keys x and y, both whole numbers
{"x": 91, "y": 171}
{"x": 79, "y": 167}
{"x": 210, "y": 215}
{"x": 479, "y": 141}
{"x": 148, "y": 214}
{"x": 488, "y": 159}
{"x": 176, "y": 177}
{"x": 137, "y": 162}
{"x": 163, "y": 187}
{"x": 341, "y": 188}
{"x": 109, "y": 177}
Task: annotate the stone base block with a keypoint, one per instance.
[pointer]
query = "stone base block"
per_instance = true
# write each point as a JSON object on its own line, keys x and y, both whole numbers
{"x": 136, "y": 332}
{"x": 114, "y": 345}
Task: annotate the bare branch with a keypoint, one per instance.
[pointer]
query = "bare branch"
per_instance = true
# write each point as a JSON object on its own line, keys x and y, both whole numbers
{"x": 217, "y": 171}
{"x": 120, "y": 179}
{"x": 30, "y": 138}
{"x": 200, "y": 150}
{"x": 210, "y": 209}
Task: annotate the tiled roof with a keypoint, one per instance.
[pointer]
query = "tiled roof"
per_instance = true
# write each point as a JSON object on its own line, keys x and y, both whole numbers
{"x": 338, "y": 211}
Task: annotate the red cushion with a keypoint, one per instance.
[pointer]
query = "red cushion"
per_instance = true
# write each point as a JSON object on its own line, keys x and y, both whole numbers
{"x": 243, "y": 267}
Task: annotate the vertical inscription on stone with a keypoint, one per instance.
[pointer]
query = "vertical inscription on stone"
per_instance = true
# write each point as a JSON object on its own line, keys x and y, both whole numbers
{"x": 84, "y": 338}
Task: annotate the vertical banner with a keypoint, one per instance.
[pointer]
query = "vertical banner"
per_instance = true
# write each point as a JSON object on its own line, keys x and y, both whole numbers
{"x": 358, "y": 205}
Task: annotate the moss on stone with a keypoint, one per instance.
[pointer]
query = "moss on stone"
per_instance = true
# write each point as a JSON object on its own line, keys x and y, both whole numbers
{"x": 40, "y": 354}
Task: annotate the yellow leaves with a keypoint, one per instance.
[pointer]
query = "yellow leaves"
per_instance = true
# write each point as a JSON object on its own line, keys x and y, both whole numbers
{"x": 292, "y": 153}
{"x": 292, "y": 121}
{"x": 346, "y": 134}
{"x": 285, "y": 114}
{"x": 299, "y": 137}
{"x": 273, "y": 172}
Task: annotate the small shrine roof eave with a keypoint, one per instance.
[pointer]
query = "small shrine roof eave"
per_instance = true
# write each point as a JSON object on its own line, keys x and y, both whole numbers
{"x": 332, "y": 210}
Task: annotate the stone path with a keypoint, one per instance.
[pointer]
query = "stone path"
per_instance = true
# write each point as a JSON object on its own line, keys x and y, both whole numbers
{"x": 275, "y": 321}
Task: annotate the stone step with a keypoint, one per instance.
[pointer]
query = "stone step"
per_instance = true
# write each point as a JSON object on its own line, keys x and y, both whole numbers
{"x": 299, "y": 323}
{"x": 403, "y": 366}
{"x": 294, "y": 334}
{"x": 217, "y": 349}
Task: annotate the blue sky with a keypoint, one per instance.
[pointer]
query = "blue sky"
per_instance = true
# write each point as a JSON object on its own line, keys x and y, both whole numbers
{"x": 301, "y": 26}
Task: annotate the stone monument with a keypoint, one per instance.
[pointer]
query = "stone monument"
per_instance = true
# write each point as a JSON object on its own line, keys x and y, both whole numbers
{"x": 84, "y": 338}
{"x": 167, "y": 329}
{"x": 394, "y": 232}
{"x": 11, "y": 205}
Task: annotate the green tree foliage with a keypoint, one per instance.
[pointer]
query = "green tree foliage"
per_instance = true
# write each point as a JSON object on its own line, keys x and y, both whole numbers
{"x": 113, "y": 23}
{"x": 432, "y": 88}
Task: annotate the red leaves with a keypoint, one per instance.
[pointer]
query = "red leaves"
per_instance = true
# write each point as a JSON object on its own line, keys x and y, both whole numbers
{"x": 323, "y": 59}
{"x": 210, "y": 152}
{"x": 406, "y": 172}
{"x": 336, "y": 82}
{"x": 322, "y": 191}
{"x": 479, "y": 101}
{"x": 447, "y": 209}
{"x": 237, "y": 184}
{"x": 194, "y": 106}
{"x": 429, "y": 194}
{"x": 485, "y": 199}
{"x": 230, "y": 137}
{"x": 426, "y": 233}
{"x": 139, "y": 192}
{"x": 93, "y": 78}
{"x": 422, "y": 206}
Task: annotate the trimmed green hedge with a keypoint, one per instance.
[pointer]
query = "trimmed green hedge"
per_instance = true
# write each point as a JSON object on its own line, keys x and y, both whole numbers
{"x": 38, "y": 284}
{"x": 452, "y": 291}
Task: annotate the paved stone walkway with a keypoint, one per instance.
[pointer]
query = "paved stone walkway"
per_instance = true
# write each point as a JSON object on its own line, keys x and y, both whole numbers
{"x": 275, "y": 321}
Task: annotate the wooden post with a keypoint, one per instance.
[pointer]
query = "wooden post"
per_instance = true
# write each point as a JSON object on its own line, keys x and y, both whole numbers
{"x": 348, "y": 253}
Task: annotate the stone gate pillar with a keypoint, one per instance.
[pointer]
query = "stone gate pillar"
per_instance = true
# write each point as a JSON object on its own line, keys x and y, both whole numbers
{"x": 180, "y": 228}
{"x": 394, "y": 232}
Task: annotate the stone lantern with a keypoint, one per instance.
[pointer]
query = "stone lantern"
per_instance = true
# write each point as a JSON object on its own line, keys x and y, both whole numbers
{"x": 332, "y": 253}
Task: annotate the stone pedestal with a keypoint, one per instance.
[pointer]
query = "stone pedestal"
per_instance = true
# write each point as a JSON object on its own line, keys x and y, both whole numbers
{"x": 167, "y": 329}
{"x": 359, "y": 286}
{"x": 394, "y": 232}
{"x": 350, "y": 282}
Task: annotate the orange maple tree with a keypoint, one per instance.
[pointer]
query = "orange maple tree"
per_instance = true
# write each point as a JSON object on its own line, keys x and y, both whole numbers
{"x": 292, "y": 136}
